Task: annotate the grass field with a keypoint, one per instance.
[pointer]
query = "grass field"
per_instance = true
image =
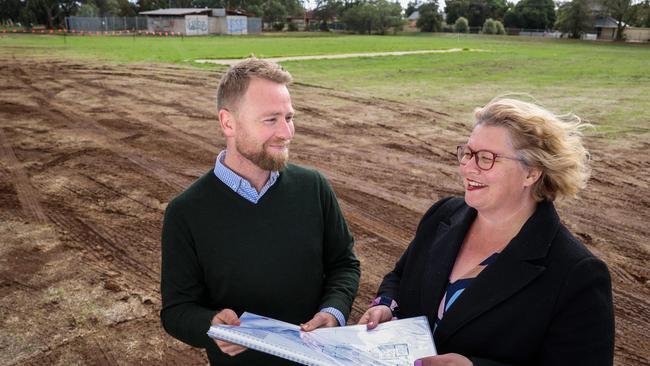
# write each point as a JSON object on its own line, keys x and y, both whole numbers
{"x": 605, "y": 83}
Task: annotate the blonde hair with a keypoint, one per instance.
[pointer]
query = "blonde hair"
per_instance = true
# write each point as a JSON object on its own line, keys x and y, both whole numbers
{"x": 544, "y": 140}
{"x": 235, "y": 81}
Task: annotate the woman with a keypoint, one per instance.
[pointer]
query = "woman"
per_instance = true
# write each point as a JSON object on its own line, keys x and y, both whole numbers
{"x": 501, "y": 280}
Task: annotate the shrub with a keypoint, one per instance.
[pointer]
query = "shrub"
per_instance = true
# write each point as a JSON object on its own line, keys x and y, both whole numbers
{"x": 500, "y": 28}
{"x": 461, "y": 25}
{"x": 292, "y": 27}
{"x": 489, "y": 27}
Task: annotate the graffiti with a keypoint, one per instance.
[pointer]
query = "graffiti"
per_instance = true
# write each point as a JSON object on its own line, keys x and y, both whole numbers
{"x": 237, "y": 25}
{"x": 197, "y": 24}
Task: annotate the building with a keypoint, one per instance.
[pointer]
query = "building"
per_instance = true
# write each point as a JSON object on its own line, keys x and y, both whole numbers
{"x": 605, "y": 28}
{"x": 194, "y": 22}
{"x": 411, "y": 22}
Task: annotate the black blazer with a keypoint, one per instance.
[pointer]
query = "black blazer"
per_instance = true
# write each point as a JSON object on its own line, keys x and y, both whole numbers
{"x": 545, "y": 301}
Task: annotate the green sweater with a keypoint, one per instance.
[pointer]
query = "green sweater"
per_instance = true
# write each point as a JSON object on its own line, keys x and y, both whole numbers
{"x": 285, "y": 257}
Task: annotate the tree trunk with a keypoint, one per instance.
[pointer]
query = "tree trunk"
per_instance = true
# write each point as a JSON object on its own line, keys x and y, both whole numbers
{"x": 619, "y": 30}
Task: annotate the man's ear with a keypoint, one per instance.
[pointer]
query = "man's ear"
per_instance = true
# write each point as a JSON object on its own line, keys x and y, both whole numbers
{"x": 533, "y": 176}
{"x": 227, "y": 122}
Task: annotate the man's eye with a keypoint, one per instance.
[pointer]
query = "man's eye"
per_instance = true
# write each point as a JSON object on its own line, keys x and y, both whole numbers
{"x": 486, "y": 159}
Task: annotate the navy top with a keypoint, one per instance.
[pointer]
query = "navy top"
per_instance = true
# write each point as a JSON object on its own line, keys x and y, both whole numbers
{"x": 456, "y": 288}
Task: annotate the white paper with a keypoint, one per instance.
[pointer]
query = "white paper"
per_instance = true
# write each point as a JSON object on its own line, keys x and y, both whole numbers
{"x": 395, "y": 343}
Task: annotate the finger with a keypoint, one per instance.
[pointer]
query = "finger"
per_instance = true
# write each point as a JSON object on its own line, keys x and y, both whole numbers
{"x": 427, "y": 361}
{"x": 379, "y": 314}
{"x": 242, "y": 349}
{"x": 364, "y": 318}
{"x": 227, "y": 316}
{"x": 314, "y": 323}
{"x": 230, "y": 348}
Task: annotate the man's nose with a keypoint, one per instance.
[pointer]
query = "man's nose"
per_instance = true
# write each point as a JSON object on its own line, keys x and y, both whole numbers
{"x": 285, "y": 129}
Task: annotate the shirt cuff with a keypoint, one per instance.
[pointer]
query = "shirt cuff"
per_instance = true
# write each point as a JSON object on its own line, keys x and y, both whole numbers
{"x": 337, "y": 314}
{"x": 386, "y": 301}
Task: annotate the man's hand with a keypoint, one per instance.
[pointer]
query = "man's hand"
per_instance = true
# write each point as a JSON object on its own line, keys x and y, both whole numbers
{"x": 375, "y": 315}
{"x": 320, "y": 320}
{"x": 449, "y": 359}
{"x": 228, "y": 317}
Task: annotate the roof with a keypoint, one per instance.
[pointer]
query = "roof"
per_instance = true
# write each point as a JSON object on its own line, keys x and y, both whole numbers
{"x": 177, "y": 11}
{"x": 414, "y": 15}
{"x": 607, "y": 22}
{"x": 203, "y": 11}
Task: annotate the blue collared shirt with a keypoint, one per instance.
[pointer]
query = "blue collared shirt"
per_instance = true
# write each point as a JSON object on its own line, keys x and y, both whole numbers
{"x": 239, "y": 184}
{"x": 244, "y": 188}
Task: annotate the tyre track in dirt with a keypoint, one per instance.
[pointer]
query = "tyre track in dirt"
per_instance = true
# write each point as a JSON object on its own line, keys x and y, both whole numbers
{"x": 105, "y": 246}
{"x": 105, "y": 239}
{"x": 28, "y": 197}
{"x": 96, "y": 348}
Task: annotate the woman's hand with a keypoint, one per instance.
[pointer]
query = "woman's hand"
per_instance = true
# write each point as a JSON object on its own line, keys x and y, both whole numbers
{"x": 448, "y": 359}
{"x": 375, "y": 315}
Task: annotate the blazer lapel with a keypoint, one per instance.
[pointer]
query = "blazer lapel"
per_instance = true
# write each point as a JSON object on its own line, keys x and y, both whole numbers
{"x": 441, "y": 257}
{"x": 504, "y": 278}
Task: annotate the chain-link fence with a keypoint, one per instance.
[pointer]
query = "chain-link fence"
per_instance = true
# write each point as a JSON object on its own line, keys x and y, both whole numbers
{"x": 106, "y": 24}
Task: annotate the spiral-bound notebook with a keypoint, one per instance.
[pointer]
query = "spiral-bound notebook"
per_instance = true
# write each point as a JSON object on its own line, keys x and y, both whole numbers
{"x": 398, "y": 342}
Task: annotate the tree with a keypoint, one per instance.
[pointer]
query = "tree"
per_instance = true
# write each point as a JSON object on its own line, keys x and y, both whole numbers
{"x": 461, "y": 25}
{"x": 531, "y": 14}
{"x": 10, "y": 10}
{"x": 511, "y": 18}
{"x": 145, "y": 5}
{"x": 326, "y": 11}
{"x": 274, "y": 13}
{"x": 51, "y": 13}
{"x": 411, "y": 7}
{"x": 389, "y": 16}
{"x": 574, "y": 17}
{"x": 360, "y": 18}
{"x": 475, "y": 11}
{"x": 108, "y": 8}
{"x": 88, "y": 9}
{"x": 127, "y": 8}
{"x": 642, "y": 11}
{"x": 376, "y": 16}
{"x": 212, "y": 4}
{"x": 622, "y": 11}
{"x": 430, "y": 20}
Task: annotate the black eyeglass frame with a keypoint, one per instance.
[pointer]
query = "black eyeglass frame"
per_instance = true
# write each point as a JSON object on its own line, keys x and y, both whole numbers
{"x": 474, "y": 154}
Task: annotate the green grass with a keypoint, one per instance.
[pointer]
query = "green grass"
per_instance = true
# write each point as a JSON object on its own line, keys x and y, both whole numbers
{"x": 185, "y": 49}
{"x": 607, "y": 84}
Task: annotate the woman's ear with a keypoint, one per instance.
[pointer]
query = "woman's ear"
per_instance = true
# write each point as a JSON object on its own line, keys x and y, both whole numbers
{"x": 533, "y": 176}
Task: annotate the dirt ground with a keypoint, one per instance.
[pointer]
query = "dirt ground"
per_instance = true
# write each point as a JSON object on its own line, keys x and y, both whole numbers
{"x": 91, "y": 154}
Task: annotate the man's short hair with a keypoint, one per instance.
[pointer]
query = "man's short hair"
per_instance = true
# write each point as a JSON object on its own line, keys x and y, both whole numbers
{"x": 235, "y": 81}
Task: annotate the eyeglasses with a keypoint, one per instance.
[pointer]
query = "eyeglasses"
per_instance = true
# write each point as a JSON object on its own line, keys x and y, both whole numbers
{"x": 484, "y": 159}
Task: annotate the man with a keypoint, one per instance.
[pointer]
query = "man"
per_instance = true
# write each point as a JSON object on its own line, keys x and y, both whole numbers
{"x": 255, "y": 234}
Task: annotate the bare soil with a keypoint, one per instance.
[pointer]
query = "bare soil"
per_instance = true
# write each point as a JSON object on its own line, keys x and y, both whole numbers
{"x": 91, "y": 154}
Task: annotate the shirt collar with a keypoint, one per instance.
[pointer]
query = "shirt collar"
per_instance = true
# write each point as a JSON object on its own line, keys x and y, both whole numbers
{"x": 234, "y": 180}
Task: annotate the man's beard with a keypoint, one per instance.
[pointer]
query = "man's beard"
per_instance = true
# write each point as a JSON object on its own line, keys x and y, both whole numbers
{"x": 265, "y": 160}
